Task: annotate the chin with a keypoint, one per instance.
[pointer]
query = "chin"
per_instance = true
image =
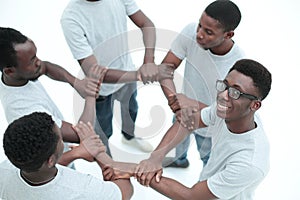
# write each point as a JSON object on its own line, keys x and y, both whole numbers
{"x": 221, "y": 114}
{"x": 34, "y": 79}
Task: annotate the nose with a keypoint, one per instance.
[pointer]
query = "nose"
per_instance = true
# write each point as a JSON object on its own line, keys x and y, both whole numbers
{"x": 37, "y": 62}
{"x": 224, "y": 95}
{"x": 200, "y": 33}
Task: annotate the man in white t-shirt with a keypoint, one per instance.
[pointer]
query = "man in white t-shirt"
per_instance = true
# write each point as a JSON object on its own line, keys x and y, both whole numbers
{"x": 33, "y": 144}
{"x": 21, "y": 93}
{"x": 96, "y": 32}
{"x": 239, "y": 158}
{"x": 209, "y": 51}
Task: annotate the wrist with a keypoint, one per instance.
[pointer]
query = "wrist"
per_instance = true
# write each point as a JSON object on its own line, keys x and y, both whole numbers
{"x": 138, "y": 75}
{"x": 149, "y": 59}
{"x": 157, "y": 156}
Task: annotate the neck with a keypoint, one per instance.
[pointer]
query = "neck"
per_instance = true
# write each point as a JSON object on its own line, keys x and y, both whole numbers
{"x": 222, "y": 49}
{"x": 39, "y": 177}
{"x": 239, "y": 127}
{"x": 12, "y": 82}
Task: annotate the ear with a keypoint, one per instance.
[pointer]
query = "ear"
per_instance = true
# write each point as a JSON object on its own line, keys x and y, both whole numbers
{"x": 255, "y": 105}
{"x": 51, "y": 161}
{"x": 229, "y": 34}
{"x": 8, "y": 71}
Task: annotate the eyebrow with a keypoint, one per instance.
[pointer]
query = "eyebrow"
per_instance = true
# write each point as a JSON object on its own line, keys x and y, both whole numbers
{"x": 235, "y": 86}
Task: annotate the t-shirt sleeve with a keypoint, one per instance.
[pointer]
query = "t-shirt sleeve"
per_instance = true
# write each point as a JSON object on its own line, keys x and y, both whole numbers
{"x": 97, "y": 188}
{"x": 184, "y": 39}
{"x": 208, "y": 115}
{"x": 233, "y": 180}
{"x": 76, "y": 39}
{"x": 131, "y": 7}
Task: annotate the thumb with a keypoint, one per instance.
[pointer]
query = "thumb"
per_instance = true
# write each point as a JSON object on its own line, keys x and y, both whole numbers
{"x": 158, "y": 176}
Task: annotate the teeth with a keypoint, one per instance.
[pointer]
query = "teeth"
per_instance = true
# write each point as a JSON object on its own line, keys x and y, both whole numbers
{"x": 222, "y": 107}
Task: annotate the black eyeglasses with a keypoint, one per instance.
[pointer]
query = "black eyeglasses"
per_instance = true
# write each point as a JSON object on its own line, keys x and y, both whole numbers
{"x": 233, "y": 92}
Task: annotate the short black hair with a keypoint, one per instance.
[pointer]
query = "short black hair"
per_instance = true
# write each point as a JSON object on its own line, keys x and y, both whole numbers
{"x": 226, "y": 12}
{"x": 8, "y": 39}
{"x": 260, "y": 75}
{"x": 30, "y": 140}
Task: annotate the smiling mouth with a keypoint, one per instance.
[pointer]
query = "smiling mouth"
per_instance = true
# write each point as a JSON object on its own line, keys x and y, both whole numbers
{"x": 222, "y": 108}
{"x": 200, "y": 42}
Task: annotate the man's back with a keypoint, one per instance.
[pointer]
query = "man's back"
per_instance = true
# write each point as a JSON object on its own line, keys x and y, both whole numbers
{"x": 67, "y": 184}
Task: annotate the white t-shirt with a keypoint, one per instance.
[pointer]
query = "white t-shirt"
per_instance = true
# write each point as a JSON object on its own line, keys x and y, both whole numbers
{"x": 24, "y": 100}
{"x": 68, "y": 185}
{"x": 238, "y": 162}
{"x": 100, "y": 28}
{"x": 202, "y": 67}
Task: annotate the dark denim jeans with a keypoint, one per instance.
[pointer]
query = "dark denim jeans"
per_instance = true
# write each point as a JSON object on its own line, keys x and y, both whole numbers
{"x": 203, "y": 146}
{"x": 129, "y": 108}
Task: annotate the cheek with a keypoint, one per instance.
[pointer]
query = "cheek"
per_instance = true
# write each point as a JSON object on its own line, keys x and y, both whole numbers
{"x": 242, "y": 109}
{"x": 61, "y": 148}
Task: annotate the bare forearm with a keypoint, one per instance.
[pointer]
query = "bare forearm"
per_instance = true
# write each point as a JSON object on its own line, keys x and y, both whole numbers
{"x": 58, "y": 73}
{"x": 89, "y": 113}
{"x": 175, "y": 190}
{"x": 67, "y": 158}
{"x": 125, "y": 187}
{"x": 170, "y": 188}
{"x": 112, "y": 75}
{"x": 170, "y": 140}
{"x": 149, "y": 38}
{"x": 118, "y": 76}
{"x": 103, "y": 159}
{"x": 168, "y": 87}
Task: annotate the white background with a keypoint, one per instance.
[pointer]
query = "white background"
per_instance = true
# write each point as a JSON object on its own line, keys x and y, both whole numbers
{"x": 269, "y": 33}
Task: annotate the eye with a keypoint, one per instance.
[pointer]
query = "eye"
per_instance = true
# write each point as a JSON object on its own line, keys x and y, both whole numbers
{"x": 208, "y": 32}
{"x": 235, "y": 93}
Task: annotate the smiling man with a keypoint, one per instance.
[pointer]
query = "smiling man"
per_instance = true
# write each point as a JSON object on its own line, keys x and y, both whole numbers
{"x": 209, "y": 51}
{"x": 240, "y": 150}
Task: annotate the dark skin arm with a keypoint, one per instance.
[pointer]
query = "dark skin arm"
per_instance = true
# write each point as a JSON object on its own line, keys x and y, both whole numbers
{"x": 111, "y": 76}
{"x": 86, "y": 130}
{"x": 185, "y": 106}
{"x": 84, "y": 87}
{"x": 146, "y": 73}
{"x": 167, "y": 85}
{"x": 177, "y": 191}
{"x": 152, "y": 166}
{"x": 149, "y": 36}
{"x": 57, "y": 73}
{"x": 88, "y": 115}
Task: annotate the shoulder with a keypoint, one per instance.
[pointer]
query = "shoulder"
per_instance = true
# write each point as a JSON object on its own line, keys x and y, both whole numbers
{"x": 88, "y": 184}
{"x": 189, "y": 30}
{"x": 233, "y": 180}
{"x": 72, "y": 9}
{"x": 8, "y": 171}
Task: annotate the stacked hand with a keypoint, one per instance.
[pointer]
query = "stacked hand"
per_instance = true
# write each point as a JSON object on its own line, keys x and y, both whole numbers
{"x": 151, "y": 72}
{"x": 90, "y": 143}
{"x": 186, "y": 110}
{"x": 90, "y": 85}
{"x": 118, "y": 170}
{"x": 148, "y": 169}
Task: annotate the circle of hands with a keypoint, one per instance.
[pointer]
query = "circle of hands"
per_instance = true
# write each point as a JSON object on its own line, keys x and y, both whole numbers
{"x": 185, "y": 109}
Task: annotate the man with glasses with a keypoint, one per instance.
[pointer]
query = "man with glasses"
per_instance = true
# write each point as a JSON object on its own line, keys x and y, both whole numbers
{"x": 233, "y": 92}
{"x": 239, "y": 158}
